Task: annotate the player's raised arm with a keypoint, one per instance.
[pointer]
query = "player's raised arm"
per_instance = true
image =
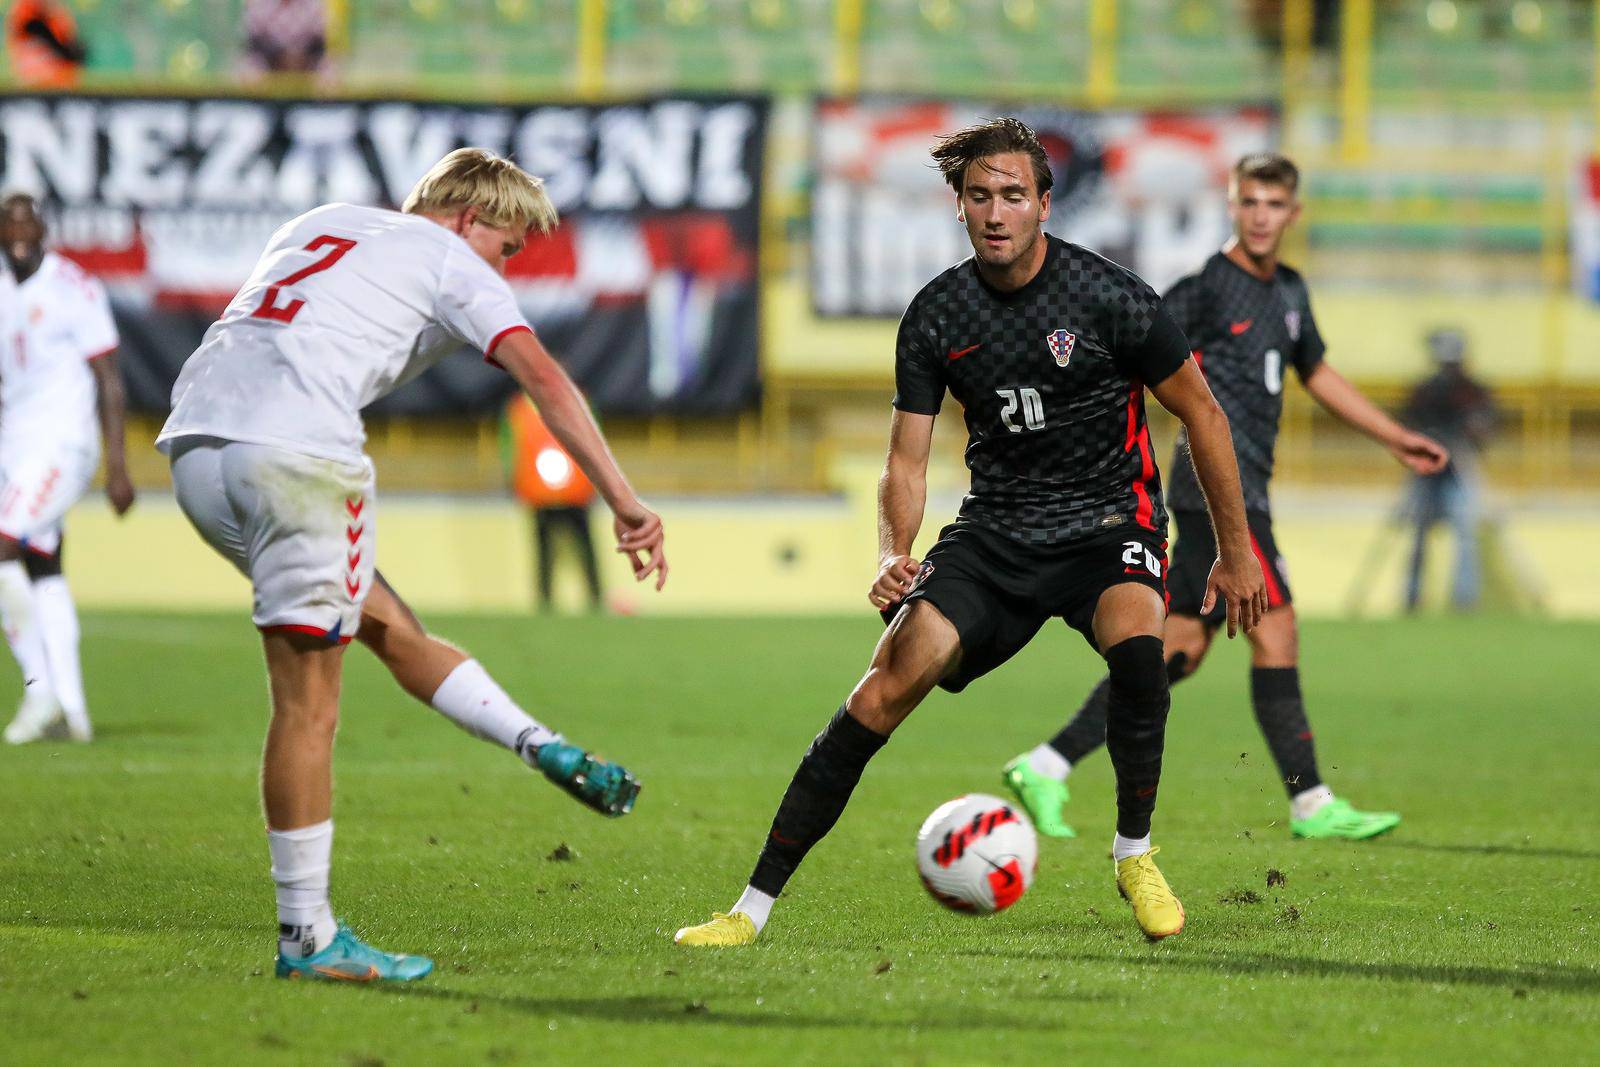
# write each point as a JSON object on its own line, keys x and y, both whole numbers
{"x": 902, "y": 495}
{"x": 1236, "y": 576}
{"x": 1335, "y": 393}
{"x": 564, "y": 410}
{"x": 111, "y": 404}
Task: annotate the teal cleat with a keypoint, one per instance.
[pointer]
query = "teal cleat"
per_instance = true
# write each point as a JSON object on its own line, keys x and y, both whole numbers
{"x": 1043, "y": 797}
{"x": 1337, "y": 818}
{"x": 605, "y": 787}
{"x": 347, "y": 958}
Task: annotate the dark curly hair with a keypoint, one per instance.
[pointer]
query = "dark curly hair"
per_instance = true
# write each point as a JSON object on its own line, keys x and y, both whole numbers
{"x": 956, "y": 152}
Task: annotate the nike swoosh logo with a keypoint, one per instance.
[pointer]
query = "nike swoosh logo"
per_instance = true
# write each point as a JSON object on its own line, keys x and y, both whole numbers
{"x": 347, "y": 976}
{"x": 1240, "y": 327}
{"x": 957, "y": 354}
{"x": 1007, "y": 871}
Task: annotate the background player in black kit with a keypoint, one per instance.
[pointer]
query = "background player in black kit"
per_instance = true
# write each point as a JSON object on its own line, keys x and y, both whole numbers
{"x": 1048, "y": 348}
{"x": 1248, "y": 317}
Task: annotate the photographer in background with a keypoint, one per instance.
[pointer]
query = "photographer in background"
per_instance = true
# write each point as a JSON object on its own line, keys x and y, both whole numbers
{"x": 1457, "y": 410}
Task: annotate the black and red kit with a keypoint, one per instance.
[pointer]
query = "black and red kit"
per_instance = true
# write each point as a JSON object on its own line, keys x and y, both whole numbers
{"x": 1066, "y": 497}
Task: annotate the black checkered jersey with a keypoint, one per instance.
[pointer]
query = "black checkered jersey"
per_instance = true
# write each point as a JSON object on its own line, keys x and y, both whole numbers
{"x": 1051, "y": 379}
{"x": 1245, "y": 331}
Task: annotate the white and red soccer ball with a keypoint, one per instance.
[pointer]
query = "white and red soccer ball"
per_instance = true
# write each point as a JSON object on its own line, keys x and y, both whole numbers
{"x": 977, "y": 853}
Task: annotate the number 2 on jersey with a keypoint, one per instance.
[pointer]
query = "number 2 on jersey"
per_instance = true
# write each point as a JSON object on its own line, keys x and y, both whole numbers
{"x": 270, "y": 308}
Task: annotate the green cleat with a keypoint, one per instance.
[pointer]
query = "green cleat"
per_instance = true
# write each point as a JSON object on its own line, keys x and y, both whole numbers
{"x": 1044, "y": 798}
{"x": 347, "y": 958}
{"x": 1337, "y": 818}
{"x": 605, "y": 787}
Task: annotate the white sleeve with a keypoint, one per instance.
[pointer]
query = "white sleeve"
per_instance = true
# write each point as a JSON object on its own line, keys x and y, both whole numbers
{"x": 95, "y": 330}
{"x": 475, "y": 303}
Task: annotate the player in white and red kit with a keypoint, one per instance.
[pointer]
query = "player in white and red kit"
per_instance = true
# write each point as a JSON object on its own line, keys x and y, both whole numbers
{"x": 60, "y": 396}
{"x": 346, "y": 304}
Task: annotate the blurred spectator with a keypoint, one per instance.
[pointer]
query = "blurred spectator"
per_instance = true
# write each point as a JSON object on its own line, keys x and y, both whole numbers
{"x": 1458, "y": 411}
{"x": 43, "y": 44}
{"x": 285, "y": 36}
{"x": 546, "y": 479}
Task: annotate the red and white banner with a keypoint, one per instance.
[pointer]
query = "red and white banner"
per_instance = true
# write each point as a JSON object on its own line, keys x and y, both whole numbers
{"x": 647, "y": 290}
{"x": 1146, "y": 189}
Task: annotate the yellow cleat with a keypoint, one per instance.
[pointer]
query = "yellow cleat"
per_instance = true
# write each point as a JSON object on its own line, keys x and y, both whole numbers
{"x": 1155, "y": 908}
{"x": 723, "y": 931}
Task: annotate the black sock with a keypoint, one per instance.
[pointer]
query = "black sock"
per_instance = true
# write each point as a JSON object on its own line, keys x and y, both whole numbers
{"x": 1087, "y": 730}
{"x": 1136, "y": 727}
{"x": 815, "y": 798}
{"x": 1281, "y": 714}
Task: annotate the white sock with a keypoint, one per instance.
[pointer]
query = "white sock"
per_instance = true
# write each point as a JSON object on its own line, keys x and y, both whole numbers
{"x": 755, "y": 904}
{"x": 21, "y": 622}
{"x": 58, "y": 628}
{"x": 1310, "y": 801}
{"x": 1050, "y": 763}
{"x": 1123, "y": 847}
{"x": 300, "y": 862}
{"x": 475, "y": 702}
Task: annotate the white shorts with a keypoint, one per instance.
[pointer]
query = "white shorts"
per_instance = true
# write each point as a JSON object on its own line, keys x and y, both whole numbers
{"x": 302, "y": 528}
{"x": 36, "y": 490}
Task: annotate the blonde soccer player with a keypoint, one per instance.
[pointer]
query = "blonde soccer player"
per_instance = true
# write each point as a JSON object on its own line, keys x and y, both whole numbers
{"x": 265, "y": 439}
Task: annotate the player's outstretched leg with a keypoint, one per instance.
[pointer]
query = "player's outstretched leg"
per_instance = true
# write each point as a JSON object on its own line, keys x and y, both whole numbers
{"x": 297, "y": 795}
{"x": 447, "y": 680}
{"x": 1314, "y": 811}
{"x": 910, "y": 659}
{"x": 39, "y": 709}
{"x": 815, "y": 799}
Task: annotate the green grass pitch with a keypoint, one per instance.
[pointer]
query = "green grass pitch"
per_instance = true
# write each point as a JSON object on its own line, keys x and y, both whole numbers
{"x": 136, "y": 918}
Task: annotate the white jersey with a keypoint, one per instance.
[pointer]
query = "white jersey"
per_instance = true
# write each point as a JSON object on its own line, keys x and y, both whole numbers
{"x": 345, "y": 305}
{"x": 60, "y": 320}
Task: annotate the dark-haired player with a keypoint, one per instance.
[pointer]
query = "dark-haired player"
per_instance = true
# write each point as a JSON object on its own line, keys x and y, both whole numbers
{"x": 61, "y": 399}
{"x": 1048, "y": 348}
{"x": 1248, "y": 316}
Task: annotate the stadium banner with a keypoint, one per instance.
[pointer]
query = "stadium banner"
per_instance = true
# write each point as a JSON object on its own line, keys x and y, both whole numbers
{"x": 1145, "y": 189}
{"x": 1586, "y": 229}
{"x": 647, "y": 292}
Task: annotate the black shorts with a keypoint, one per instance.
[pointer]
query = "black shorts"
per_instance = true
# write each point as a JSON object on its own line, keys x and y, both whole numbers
{"x": 997, "y": 592}
{"x": 1195, "y": 550}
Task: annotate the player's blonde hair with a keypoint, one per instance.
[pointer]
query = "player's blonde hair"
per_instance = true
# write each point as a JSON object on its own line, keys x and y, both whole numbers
{"x": 504, "y": 194}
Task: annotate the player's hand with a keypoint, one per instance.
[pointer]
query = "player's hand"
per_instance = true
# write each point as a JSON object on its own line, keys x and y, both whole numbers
{"x": 641, "y": 538}
{"x": 1242, "y": 586}
{"x": 1420, "y": 453}
{"x": 895, "y": 575}
{"x": 119, "y": 491}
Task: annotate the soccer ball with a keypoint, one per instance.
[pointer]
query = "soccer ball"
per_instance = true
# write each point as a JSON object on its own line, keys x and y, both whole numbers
{"x": 977, "y": 853}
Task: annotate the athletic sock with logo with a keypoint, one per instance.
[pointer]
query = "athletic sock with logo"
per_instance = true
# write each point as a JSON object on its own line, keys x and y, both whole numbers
{"x": 300, "y": 862}
{"x": 1136, "y": 726}
{"x": 815, "y": 799}
{"x": 475, "y": 702}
